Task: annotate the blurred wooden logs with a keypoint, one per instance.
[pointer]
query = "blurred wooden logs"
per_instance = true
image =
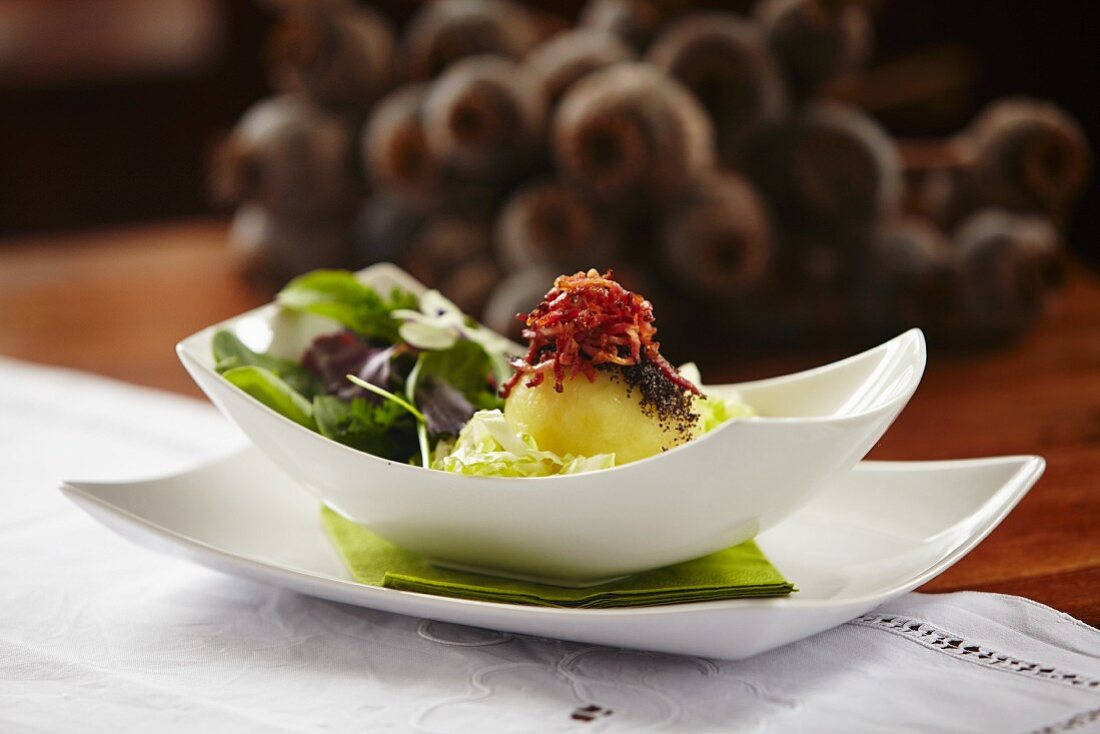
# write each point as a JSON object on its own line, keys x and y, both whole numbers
{"x": 271, "y": 249}
{"x": 442, "y": 245}
{"x": 1002, "y": 187}
{"x": 929, "y": 87}
{"x": 703, "y": 156}
{"x": 288, "y": 165}
{"x": 550, "y": 223}
{"x": 518, "y": 293}
{"x": 815, "y": 260}
{"x": 831, "y": 166}
{"x": 394, "y": 148}
{"x": 567, "y": 57}
{"x": 906, "y": 278}
{"x": 291, "y": 156}
{"x": 724, "y": 61}
{"x": 814, "y": 40}
{"x": 715, "y": 240}
{"x": 384, "y": 227}
{"x": 1019, "y": 153}
{"x": 1029, "y": 155}
{"x": 339, "y": 53}
{"x": 628, "y": 132}
{"x": 1009, "y": 265}
{"x": 939, "y": 179}
{"x": 635, "y": 21}
{"x": 483, "y": 116}
{"x": 443, "y": 32}
{"x": 469, "y": 286}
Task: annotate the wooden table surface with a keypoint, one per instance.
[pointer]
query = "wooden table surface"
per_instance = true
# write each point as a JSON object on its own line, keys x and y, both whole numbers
{"x": 116, "y": 302}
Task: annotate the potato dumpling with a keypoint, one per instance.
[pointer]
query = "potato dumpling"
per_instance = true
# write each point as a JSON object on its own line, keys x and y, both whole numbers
{"x": 600, "y": 417}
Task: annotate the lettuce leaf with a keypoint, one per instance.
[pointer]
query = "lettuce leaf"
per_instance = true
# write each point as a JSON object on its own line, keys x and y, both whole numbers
{"x": 274, "y": 392}
{"x": 231, "y": 352}
{"x": 717, "y": 409}
{"x": 489, "y": 447}
{"x": 338, "y": 295}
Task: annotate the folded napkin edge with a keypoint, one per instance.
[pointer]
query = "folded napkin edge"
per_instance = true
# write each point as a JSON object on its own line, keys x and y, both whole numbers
{"x": 374, "y": 561}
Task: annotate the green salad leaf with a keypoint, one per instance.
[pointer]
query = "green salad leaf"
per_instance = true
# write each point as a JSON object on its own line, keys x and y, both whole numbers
{"x": 466, "y": 367}
{"x": 439, "y": 324}
{"x": 489, "y": 447}
{"x": 274, "y": 392}
{"x": 230, "y": 352}
{"x": 384, "y": 429}
{"x": 338, "y": 295}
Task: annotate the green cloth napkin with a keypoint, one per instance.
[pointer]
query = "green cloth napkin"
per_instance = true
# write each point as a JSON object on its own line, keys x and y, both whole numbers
{"x": 734, "y": 573}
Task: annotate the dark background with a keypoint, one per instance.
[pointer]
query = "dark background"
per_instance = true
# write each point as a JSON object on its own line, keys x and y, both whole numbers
{"x": 99, "y": 153}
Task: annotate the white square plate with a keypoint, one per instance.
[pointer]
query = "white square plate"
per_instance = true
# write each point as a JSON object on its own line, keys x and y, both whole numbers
{"x": 879, "y": 532}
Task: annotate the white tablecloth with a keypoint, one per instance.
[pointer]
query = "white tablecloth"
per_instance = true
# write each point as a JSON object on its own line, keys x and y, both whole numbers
{"x": 97, "y": 635}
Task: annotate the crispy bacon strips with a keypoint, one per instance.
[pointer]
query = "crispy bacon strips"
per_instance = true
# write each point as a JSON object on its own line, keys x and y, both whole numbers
{"x": 587, "y": 320}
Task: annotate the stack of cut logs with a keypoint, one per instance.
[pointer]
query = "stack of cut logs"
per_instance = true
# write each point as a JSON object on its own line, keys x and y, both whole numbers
{"x": 486, "y": 148}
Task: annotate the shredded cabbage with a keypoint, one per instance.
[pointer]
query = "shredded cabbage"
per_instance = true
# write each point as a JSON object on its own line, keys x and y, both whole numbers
{"x": 715, "y": 409}
{"x": 489, "y": 447}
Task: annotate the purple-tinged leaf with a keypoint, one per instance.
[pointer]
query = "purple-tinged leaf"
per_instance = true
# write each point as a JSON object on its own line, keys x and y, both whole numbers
{"x": 445, "y": 409}
{"x": 376, "y": 368}
{"x": 333, "y": 356}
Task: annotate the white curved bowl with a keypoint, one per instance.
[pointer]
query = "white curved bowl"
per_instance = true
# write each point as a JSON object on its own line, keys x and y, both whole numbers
{"x": 709, "y": 494}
